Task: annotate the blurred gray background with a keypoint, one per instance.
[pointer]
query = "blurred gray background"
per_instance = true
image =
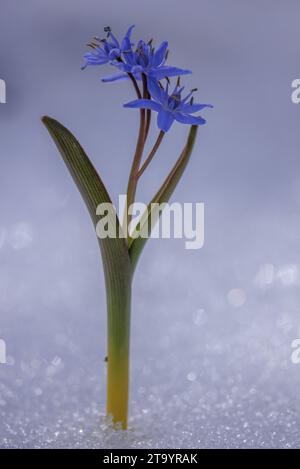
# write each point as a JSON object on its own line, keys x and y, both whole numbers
{"x": 211, "y": 329}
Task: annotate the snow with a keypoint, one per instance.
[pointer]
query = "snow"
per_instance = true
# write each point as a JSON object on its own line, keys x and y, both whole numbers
{"x": 211, "y": 366}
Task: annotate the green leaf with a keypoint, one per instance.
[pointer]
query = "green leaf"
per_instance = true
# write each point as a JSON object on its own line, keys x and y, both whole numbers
{"x": 117, "y": 269}
{"x": 136, "y": 243}
{"x": 114, "y": 250}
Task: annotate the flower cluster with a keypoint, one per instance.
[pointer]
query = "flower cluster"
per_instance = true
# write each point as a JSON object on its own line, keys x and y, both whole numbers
{"x": 146, "y": 64}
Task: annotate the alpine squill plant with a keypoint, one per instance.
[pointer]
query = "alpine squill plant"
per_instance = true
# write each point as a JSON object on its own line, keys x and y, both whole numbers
{"x": 145, "y": 67}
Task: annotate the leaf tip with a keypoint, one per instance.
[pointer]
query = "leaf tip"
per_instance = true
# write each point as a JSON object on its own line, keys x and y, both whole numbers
{"x": 49, "y": 121}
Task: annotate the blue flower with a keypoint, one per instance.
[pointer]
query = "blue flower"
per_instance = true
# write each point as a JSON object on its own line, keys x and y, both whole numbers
{"x": 145, "y": 60}
{"x": 170, "y": 107}
{"x": 107, "y": 50}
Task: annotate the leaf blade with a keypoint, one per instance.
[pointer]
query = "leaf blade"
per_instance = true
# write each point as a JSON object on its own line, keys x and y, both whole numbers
{"x": 114, "y": 250}
{"x": 136, "y": 244}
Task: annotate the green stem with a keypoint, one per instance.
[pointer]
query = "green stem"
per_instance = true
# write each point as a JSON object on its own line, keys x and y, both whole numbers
{"x": 118, "y": 288}
{"x": 148, "y": 115}
{"x": 152, "y": 153}
{"x": 133, "y": 176}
